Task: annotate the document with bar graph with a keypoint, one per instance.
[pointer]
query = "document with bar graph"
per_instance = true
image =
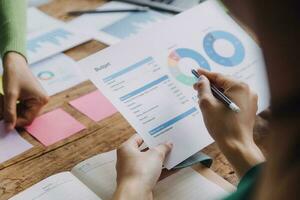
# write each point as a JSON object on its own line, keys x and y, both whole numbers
{"x": 46, "y": 43}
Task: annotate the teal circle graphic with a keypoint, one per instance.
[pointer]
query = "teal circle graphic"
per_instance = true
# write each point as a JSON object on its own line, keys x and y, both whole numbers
{"x": 239, "y": 50}
{"x": 184, "y": 53}
{"x": 45, "y": 75}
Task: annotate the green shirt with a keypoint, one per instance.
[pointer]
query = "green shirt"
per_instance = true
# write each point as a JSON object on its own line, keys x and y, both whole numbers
{"x": 13, "y": 26}
{"x": 247, "y": 185}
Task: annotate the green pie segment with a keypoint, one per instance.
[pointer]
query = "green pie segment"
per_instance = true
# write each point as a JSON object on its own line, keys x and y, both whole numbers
{"x": 184, "y": 53}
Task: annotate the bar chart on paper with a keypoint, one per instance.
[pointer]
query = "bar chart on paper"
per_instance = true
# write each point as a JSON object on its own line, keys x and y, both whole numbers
{"x": 111, "y": 28}
{"x": 52, "y": 41}
{"x": 133, "y": 24}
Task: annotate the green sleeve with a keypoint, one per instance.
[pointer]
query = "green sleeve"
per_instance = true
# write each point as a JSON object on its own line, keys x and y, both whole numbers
{"x": 247, "y": 184}
{"x": 13, "y": 26}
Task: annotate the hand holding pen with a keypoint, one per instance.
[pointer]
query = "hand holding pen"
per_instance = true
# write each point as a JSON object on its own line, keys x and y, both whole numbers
{"x": 220, "y": 95}
{"x": 232, "y": 132}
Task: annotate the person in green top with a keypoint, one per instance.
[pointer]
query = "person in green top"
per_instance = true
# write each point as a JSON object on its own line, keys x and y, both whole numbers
{"x": 277, "y": 25}
{"x": 18, "y": 82}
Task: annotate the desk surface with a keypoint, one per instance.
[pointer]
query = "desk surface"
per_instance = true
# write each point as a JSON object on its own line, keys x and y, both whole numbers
{"x": 40, "y": 162}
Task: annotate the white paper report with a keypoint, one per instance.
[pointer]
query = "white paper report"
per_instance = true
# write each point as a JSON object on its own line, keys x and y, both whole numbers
{"x": 148, "y": 78}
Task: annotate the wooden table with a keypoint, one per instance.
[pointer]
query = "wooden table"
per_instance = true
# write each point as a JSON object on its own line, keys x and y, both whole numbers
{"x": 40, "y": 162}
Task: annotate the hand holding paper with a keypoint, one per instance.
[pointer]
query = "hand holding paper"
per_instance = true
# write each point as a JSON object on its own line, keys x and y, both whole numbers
{"x": 150, "y": 83}
{"x": 137, "y": 168}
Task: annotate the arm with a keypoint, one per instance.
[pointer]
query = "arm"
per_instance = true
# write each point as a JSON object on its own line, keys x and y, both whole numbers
{"x": 233, "y": 132}
{"x": 13, "y": 26}
{"x": 19, "y": 84}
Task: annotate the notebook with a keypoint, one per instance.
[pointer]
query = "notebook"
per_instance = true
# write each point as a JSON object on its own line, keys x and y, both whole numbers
{"x": 95, "y": 179}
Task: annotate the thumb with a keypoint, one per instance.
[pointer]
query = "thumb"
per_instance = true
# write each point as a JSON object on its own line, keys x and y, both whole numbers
{"x": 10, "y": 111}
{"x": 203, "y": 86}
{"x": 164, "y": 149}
{"x": 205, "y": 95}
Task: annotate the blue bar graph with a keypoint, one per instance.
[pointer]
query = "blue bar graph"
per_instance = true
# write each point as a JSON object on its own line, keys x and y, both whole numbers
{"x": 52, "y": 37}
{"x": 133, "y": 24}
{"x": 169, "y": 123}
{"x": 145, "y": 87}
{"x": 128, "y": 69}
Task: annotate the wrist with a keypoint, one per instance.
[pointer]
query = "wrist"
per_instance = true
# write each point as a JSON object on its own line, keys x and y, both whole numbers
{"x": 243, "y": 155}
{"x": 132, "y": 189}
{"x": 13, "y": 57}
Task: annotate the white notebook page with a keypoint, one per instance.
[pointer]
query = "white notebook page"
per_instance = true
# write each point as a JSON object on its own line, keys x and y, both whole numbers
{"x": 63, "y": 186}
{"x": 99, "y": 174}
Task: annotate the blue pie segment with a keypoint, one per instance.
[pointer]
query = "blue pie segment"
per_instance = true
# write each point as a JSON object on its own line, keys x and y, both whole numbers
{"x": 239, "y": 50}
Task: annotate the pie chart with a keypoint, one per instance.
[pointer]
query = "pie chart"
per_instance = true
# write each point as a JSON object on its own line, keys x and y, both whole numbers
{"x": 234, "y": 46}
{"x": 184, "y": 53}
{"x": 45, "y": 75}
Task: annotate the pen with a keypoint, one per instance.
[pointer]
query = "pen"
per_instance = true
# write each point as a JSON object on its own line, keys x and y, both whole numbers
{"x": 137, "y": 9}
{"x": 156, "y": 5}
{"x": 219, "y": 95}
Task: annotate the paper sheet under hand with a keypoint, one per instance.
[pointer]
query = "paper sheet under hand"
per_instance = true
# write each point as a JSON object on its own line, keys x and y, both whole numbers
{"x": 11, "y": 144}
{"x": 94, "y": 105}
{"x": 54, "y": 126}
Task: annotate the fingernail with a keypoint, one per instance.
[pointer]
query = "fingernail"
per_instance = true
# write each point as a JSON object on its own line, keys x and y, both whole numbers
{"x": 200, "y": 78}
{"x": 170, "y": 144}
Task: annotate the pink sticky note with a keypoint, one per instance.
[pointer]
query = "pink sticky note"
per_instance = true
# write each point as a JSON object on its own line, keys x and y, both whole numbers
{"x": 94, "y": 105}
{"x": 54, "y": 126}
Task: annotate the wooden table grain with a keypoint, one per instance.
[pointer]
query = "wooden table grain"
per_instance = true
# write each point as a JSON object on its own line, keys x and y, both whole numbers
{"x": 40, "y": 162}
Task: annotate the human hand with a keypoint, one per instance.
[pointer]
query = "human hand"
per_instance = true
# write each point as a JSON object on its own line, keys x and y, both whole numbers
{"x": 137, "y": 171}
{"x": 19, "y": 84}
{"x": 233, "y": 132}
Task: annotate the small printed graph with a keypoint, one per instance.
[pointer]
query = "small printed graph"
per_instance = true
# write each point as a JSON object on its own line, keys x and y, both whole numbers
{"x": 53, "y": 37}
{"x": 183, "y": 53}
{"x": 45, "y": 75}
{"x": 133, "y": 23}
{"x": 51, "y": 41}
{"x": 237, "y": 55}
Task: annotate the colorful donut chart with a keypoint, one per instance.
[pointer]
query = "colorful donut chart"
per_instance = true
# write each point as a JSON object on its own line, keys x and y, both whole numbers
{"x": 184, "y": 53}
{"x": 239, "y": 50}
{"x": 45, "y": 75}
